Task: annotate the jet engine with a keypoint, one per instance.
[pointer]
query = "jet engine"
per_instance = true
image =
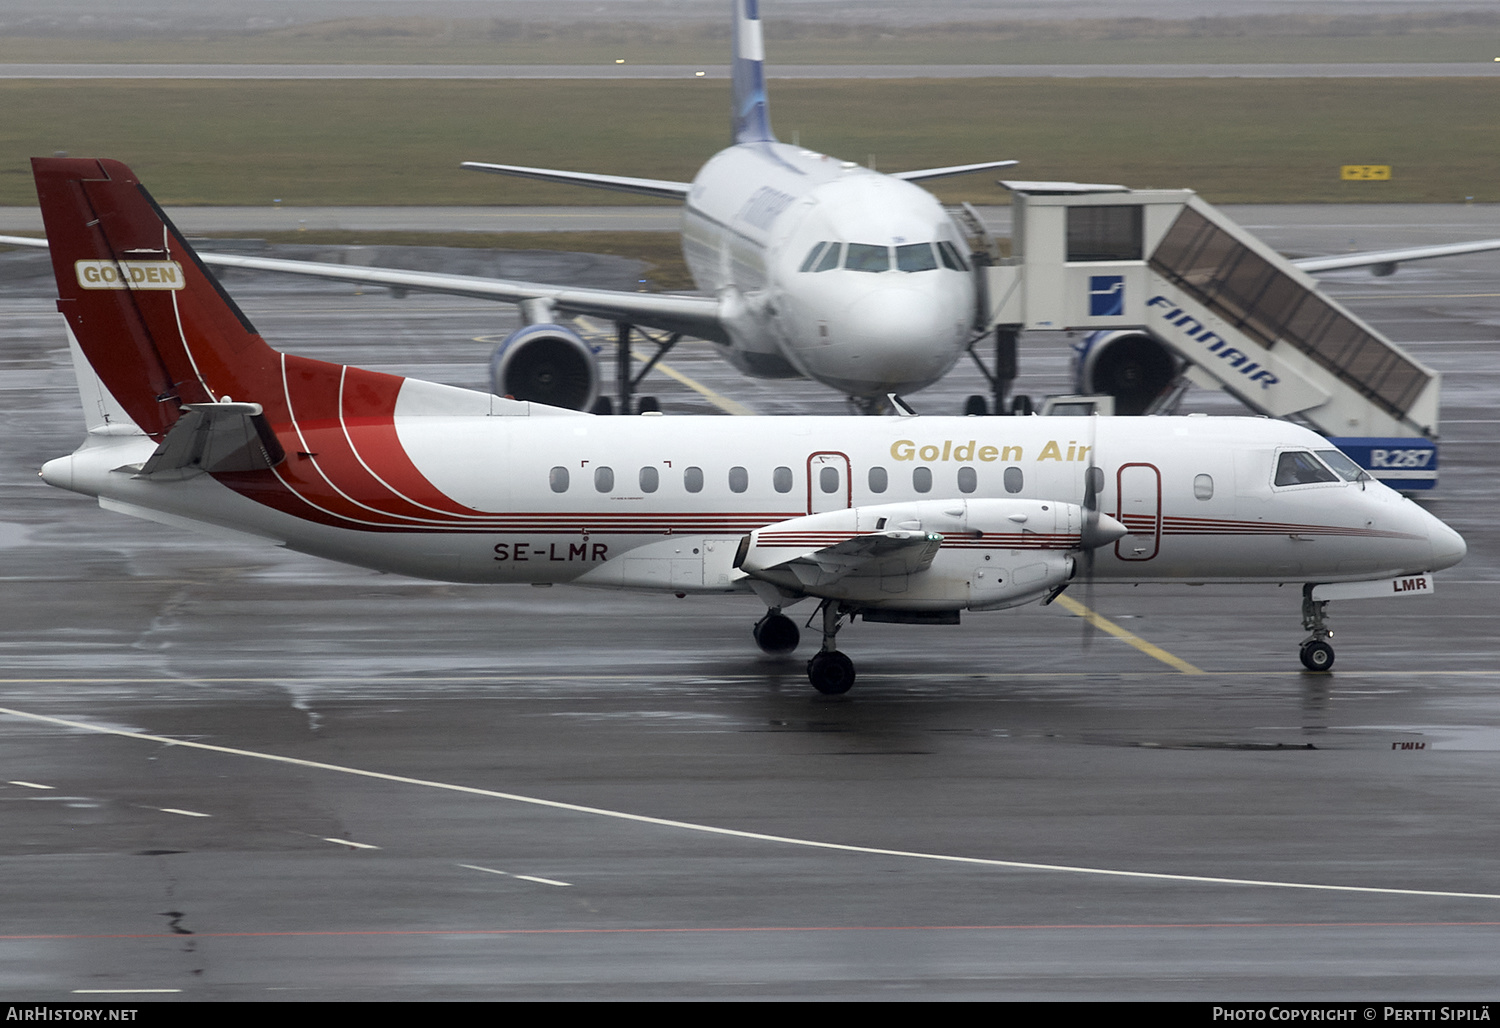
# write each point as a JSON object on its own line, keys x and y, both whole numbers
{"x": 1132, "y": 366}
{"x": 550, "y": 364}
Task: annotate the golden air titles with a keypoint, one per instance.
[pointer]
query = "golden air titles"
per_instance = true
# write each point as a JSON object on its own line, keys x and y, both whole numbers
{"x": 968, "y": 452}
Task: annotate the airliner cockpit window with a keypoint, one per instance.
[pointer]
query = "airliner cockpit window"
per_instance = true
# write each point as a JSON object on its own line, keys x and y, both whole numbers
{"x": 812, "y": 257}
{"x": 867, "y": 257}
{"x": 952, "y": 259}
{"x": 915, "y": 257}
{"x": 1298, "y": 467}
{"x": 830, "y": 257}
{"x": 1340, "y": 462}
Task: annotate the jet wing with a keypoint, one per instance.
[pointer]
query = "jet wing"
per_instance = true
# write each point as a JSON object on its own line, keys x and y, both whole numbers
{"x": 659, "y": 188}
{"x": 923, "y": 174}
{"x": 697, "y": 316}
{"x": 1390, "y": 258}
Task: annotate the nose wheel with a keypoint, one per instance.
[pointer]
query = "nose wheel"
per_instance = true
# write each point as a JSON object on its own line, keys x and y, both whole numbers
{"x": 831, "y": 672}
{"x": 1317, "y": 652}
{"x": 1317, "y": 655}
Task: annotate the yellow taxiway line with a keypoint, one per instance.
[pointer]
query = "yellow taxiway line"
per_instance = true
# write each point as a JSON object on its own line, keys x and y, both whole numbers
{"x": 1102, "y": 623}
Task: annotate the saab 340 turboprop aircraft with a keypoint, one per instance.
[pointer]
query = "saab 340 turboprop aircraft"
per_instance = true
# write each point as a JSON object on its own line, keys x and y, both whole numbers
{"x": 193, "y": 419}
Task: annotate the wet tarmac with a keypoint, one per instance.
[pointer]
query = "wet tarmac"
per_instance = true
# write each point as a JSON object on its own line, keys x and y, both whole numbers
{"x": 240, "y": 773}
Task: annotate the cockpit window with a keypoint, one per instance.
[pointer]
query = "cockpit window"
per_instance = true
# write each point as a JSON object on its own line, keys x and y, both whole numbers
{"x": 866, "y": 257}
{"x": 812, "y": 257}
{"x": 830, "y": 258}
{"x": 1298, "y": 467}
{"x": 1340, "y": 462}
{"x": 915, "y": 257}
{"x": 952, "y": 259}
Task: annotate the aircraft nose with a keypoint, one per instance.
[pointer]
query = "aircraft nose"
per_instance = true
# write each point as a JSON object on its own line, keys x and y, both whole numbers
{"x": 1448, "y": 547}
{"x": 895, "y": 334}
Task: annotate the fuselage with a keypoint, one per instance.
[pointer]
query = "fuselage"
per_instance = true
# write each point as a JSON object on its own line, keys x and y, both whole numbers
{"x": 463, "y": 486}
{"x": 830, "y": 271}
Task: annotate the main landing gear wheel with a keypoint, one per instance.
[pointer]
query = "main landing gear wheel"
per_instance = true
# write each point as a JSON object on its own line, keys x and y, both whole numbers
{"x": 776, "y": 633}
{"x": 1317, "y": 655}
{"x": 831, "y": 673}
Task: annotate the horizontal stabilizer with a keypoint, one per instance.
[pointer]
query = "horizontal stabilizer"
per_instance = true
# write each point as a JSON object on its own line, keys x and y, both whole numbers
{"x": 216, "y": 437}
{"x": 923, "y": 174}
{"x": 659, "y": 188}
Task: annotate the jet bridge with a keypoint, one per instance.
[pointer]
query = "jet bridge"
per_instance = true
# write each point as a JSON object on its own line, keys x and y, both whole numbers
{"x": 1172, "y": 291}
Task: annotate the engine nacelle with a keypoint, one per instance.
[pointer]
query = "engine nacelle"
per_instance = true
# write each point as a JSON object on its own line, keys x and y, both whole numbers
{"x": 548, "y": 364}
{"x": 1132, "y": 366}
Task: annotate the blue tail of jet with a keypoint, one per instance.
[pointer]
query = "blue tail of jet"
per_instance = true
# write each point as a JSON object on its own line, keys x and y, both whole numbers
{"x": 752, "y": 118}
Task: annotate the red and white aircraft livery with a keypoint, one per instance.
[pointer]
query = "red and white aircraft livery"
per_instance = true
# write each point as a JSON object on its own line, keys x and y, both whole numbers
{"x": 193, "y": 419}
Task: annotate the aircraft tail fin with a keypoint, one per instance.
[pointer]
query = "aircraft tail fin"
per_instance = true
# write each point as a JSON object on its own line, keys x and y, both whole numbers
{"x": 751, "y": 116}
{"x": 155, "y": 326}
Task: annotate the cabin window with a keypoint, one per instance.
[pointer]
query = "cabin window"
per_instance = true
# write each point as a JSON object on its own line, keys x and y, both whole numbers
{"x": 558, "y": 479}
{"x": 879, "y": 480}
{"x": 867, "y": 257}
{"x": 692, "y": 480}
{"x": 739, "y": 480}
{"x": 650, "y": 479}
{"x": 921, "y": 479}
{"x": 781, "y": 479}
{"x": 1203, "y": 487}
{"x": 1298, "y": 467}
{"x": 830, "y": 257}
{"x": 828, "y": 479}
{"x": 915, "y": 257}
{"x": 968, "y": 480}
{"x": 952, "y": 259}
{"x": 604, "y": 479}
{"x": 1014, "y": 480}
{"x": 812, "y": 257}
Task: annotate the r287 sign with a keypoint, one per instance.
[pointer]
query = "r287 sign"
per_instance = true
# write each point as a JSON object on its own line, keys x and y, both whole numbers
{"x": 1401, "y": 458}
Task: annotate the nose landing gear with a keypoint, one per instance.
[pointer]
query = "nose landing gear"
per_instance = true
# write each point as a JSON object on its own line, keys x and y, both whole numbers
{"x": 831, "y": 672}
{"x": 1317, "y": 654}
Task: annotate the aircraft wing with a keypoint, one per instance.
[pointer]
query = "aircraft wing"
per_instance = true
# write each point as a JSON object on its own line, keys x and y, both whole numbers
{"x": 923, "y": 174}
{"x": 697, "y": 316}
{"x": 883, "y": 552}
{"x": 659, "y": 188}
{"x": 1390, "y": 258}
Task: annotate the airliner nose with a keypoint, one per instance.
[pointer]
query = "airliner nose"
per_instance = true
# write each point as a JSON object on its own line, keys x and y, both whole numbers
{"x": 1448, "y": 547}
{"x": 898, "y": 336}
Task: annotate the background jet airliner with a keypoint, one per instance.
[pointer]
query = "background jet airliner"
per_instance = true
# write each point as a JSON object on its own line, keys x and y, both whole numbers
{"x": 194, "y": 420}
